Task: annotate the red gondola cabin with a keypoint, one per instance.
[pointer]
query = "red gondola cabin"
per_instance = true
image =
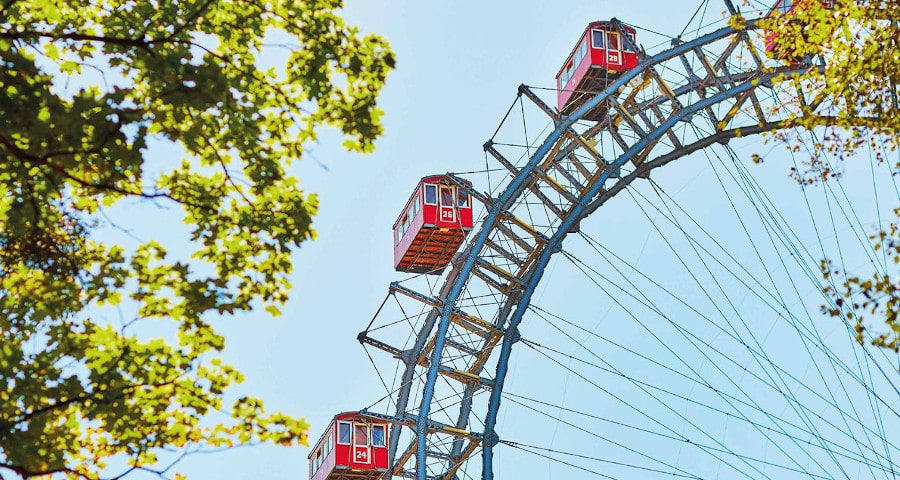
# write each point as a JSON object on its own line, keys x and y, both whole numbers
{"x": 788, "y": 9}
{"x": 353, "y": 447}
{"x": 600, "y": 56}
{"x": 433, "y": 225}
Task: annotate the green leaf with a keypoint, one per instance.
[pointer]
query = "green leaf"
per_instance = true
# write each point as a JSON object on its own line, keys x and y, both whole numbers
{"x": 77, "y": 143}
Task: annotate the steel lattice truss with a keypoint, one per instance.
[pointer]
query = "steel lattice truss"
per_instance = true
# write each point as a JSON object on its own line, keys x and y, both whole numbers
{"x": 696, "y": 93}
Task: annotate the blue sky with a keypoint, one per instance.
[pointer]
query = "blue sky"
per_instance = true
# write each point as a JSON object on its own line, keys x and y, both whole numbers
{"x": 459, "y": 64}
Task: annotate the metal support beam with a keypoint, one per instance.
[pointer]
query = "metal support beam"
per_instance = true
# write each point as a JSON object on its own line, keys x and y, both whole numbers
{"x": 556, "y": 240}
{"x": 668, "y": 109}
{"x": 731, "y": 8}
{"x": 365, "y": 339}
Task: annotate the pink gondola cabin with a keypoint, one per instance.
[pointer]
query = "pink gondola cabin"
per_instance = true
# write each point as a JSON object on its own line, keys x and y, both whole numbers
{"x": 433, "y": 224}
{"x": 353, "y": 446}
{"x": 599, "y": 57}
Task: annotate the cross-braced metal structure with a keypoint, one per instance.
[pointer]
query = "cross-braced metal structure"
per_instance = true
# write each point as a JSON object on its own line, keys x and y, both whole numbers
{"x": 694, "y": 94}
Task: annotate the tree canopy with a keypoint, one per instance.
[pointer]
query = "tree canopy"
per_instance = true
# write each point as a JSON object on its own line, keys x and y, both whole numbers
{"x": 854, "y": 49}
{"x": 855, "y": 71}
{"x": 86, "y": 87}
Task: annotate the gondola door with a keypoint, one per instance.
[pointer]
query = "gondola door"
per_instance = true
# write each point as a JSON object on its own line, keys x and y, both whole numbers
{"x": 362, "y": 451}
{"x": 613, "y": 50}
{"x": 447, "y": 208}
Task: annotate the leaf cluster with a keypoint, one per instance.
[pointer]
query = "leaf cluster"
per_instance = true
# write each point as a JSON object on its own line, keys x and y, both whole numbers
{"x": 854, "y": 52}
{"x": 873, "y": 301}
{"x": 85, "y": 87}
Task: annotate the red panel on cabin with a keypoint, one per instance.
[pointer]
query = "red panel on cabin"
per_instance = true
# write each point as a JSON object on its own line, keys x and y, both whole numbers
{"x": 353, "y": 445}
{"x": 432, "y": 226}
{"x": 599, "y": 57}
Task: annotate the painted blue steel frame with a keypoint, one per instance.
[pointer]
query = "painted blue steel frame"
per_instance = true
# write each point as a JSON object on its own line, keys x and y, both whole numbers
{"x": 579, "y": 210}
{"x": 502, "y": 203}
{"x": 553, "y": 246}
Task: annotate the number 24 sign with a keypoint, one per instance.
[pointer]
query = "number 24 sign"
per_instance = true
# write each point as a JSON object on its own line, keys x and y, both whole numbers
{"x": 362, "y": 455}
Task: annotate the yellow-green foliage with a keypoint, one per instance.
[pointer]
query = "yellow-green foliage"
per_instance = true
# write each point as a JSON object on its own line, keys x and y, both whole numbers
{"x": 878, "y": 297}
{"x": 859, "y": 43}
{"x": 78, "y": 391}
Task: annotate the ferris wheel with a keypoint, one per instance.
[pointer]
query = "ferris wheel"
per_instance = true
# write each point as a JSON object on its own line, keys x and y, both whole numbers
{"x": 477, "y": 246}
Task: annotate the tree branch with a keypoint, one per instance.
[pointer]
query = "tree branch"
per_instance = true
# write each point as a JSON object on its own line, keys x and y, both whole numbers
{"x": 188, "y": 21}
{"x": 26, "y": 473}
{"x": 130, "y": 42}
{"x": 23, "y": 155}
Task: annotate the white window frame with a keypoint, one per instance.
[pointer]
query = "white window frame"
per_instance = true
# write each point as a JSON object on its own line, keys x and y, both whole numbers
{"x": 349, "y": 424}
{"x": 425, "y": 193}
{"x": 602, "y": 38}
{"x": 452, "y": 190}
{"x": 631, "y": 38}
{"x": 462, "y": 192}
{"x": 368, "y": 445}
{"x": 580, "y": 53}
{"x": 372, "y": 436}
{"x": 619, "y": 41}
